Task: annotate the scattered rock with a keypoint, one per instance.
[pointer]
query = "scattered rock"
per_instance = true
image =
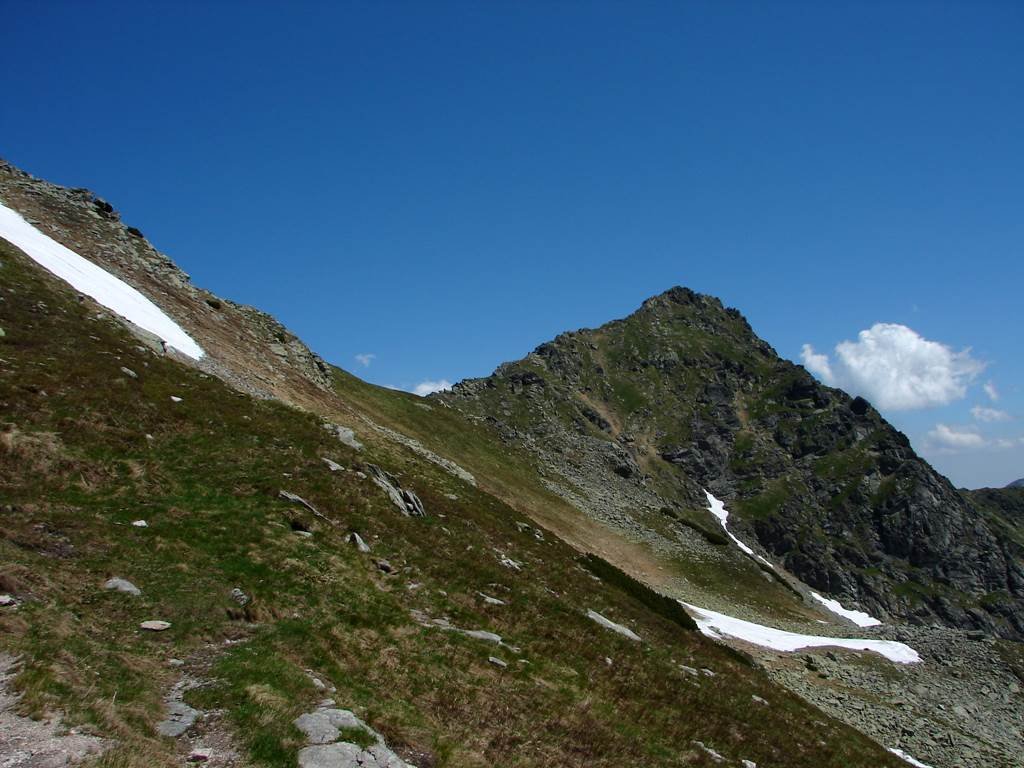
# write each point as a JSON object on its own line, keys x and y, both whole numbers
{"x": 129, "y": 372}
{"x": 406, "y": 501}
{"x": 476, "y": 634}
{"x": 122, "y": 585}
{"x": 332, "y": 465}
{"x": 200, "y": 755}
{"x": 497, "y": 662}
{"x": 609, "y": 624}
{"x": 239, "y": 596}
{"x": 296, "y": 499}
{"x": 175, "y": 399}
{"x": 384, "y": 566}
{"x": 140, "y": 524}
{"x": 508, "y": 562}
{"x": 6, "y": 600}
{"x": 709, "y": 751}
{"x": 155, "y": 625}
{"x": 344, "y": 434}
{"x": 491, "y": 600}
{"x": 357, "y": 540}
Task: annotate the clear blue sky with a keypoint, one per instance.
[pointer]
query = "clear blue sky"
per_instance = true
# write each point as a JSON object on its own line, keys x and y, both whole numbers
{"x": 446, "y": 185}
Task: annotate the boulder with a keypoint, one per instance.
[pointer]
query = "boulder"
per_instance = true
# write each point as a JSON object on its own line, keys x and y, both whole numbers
{"x": 122, "y": 585}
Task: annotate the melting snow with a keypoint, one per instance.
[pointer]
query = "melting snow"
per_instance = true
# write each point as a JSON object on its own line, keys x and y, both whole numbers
{"x": 859, "y": 618}
{"x": 717, "y": 625}
{"x": 904, "y": 756}
{"x": 717, "y": 508}
{"x": 84, "y": 276}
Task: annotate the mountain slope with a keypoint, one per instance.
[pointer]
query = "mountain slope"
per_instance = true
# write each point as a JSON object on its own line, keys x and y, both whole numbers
{"x": 271, "y": 601}
{"x": 682, "y": 396}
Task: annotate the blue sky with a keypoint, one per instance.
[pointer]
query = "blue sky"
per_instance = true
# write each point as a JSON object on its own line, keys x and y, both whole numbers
{"x": 443, "y": 186}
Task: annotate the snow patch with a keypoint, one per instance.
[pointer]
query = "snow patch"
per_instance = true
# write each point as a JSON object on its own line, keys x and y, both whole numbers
{"x": 85, "y": 277}
{"x": 718, "y": 625}
{"x": 717, "y": 508}
{"x": 859, "y": 618}
{"x": 904, "y": 756}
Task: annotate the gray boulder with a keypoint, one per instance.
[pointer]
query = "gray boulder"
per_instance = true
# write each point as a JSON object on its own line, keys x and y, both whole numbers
{"x": 122, "y": 585}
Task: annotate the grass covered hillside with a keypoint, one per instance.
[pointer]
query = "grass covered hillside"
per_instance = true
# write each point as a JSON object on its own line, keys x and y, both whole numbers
{"x": 272, "y": 608}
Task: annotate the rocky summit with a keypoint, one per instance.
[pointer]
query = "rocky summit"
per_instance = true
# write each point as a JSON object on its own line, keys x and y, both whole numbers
{"x": 633, "y": 420}
{"x": 653, "y": 542}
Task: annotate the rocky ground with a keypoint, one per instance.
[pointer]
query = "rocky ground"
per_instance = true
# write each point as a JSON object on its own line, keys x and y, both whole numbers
{"x": 960, "y": 707}
{"x": 37, "y": 743}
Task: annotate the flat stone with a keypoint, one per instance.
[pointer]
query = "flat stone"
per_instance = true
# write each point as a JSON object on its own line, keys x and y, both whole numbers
{"x": 609, "y": 624}
{"x": 341, "y": 755}
{"x": 180, "y": 717}
{"x": 480, "y": 634}
{"x": 497, "y": 662}
{"x": 122, "y": 585}
{"x": 140, "y": 524}
{"x": 155, "y": 625}
{"x": 6, "y": 600}
{"x": 317, "y": 727}
{"x": 346, "y": 755}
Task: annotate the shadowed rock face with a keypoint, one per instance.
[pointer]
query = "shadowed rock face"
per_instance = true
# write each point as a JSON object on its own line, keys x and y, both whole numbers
{"x": 682, "y": 395}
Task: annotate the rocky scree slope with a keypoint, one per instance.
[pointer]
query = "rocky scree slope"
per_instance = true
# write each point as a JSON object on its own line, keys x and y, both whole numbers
{"x": 632, "y": 420}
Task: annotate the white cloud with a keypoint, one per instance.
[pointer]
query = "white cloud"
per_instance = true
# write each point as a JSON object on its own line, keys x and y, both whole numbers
{"x": 991, "y": 391}
{"x": 365, "y": 359}
{"x": 1008, "y": 443}
{"x": 896, "y": 368}
{"x": 952, "y": 437}
{"x": 817, "y": 364}
{"x": 981, "y": 413}
{"x": 424, "y": 388}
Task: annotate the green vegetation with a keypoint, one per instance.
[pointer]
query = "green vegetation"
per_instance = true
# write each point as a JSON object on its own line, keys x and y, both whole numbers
{"x": 86, "y": 449}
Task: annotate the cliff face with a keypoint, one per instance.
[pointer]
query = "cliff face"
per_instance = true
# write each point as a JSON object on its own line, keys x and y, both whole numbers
{"x": 635, "y": 418}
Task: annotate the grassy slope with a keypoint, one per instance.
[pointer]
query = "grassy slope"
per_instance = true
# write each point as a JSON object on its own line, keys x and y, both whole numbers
{"x": 76, "y": 467}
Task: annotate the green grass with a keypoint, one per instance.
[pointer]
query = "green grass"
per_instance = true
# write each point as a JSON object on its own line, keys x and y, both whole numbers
{"x": 76, "y": 467}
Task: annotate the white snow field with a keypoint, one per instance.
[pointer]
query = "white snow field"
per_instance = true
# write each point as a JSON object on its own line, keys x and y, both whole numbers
{"x": 85, "y": 277}
{"x": 718, "y": 625}
{"x": 859, "y": 618}
{"x": 717, "y": 508}
{"x": 907, "y": 758}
